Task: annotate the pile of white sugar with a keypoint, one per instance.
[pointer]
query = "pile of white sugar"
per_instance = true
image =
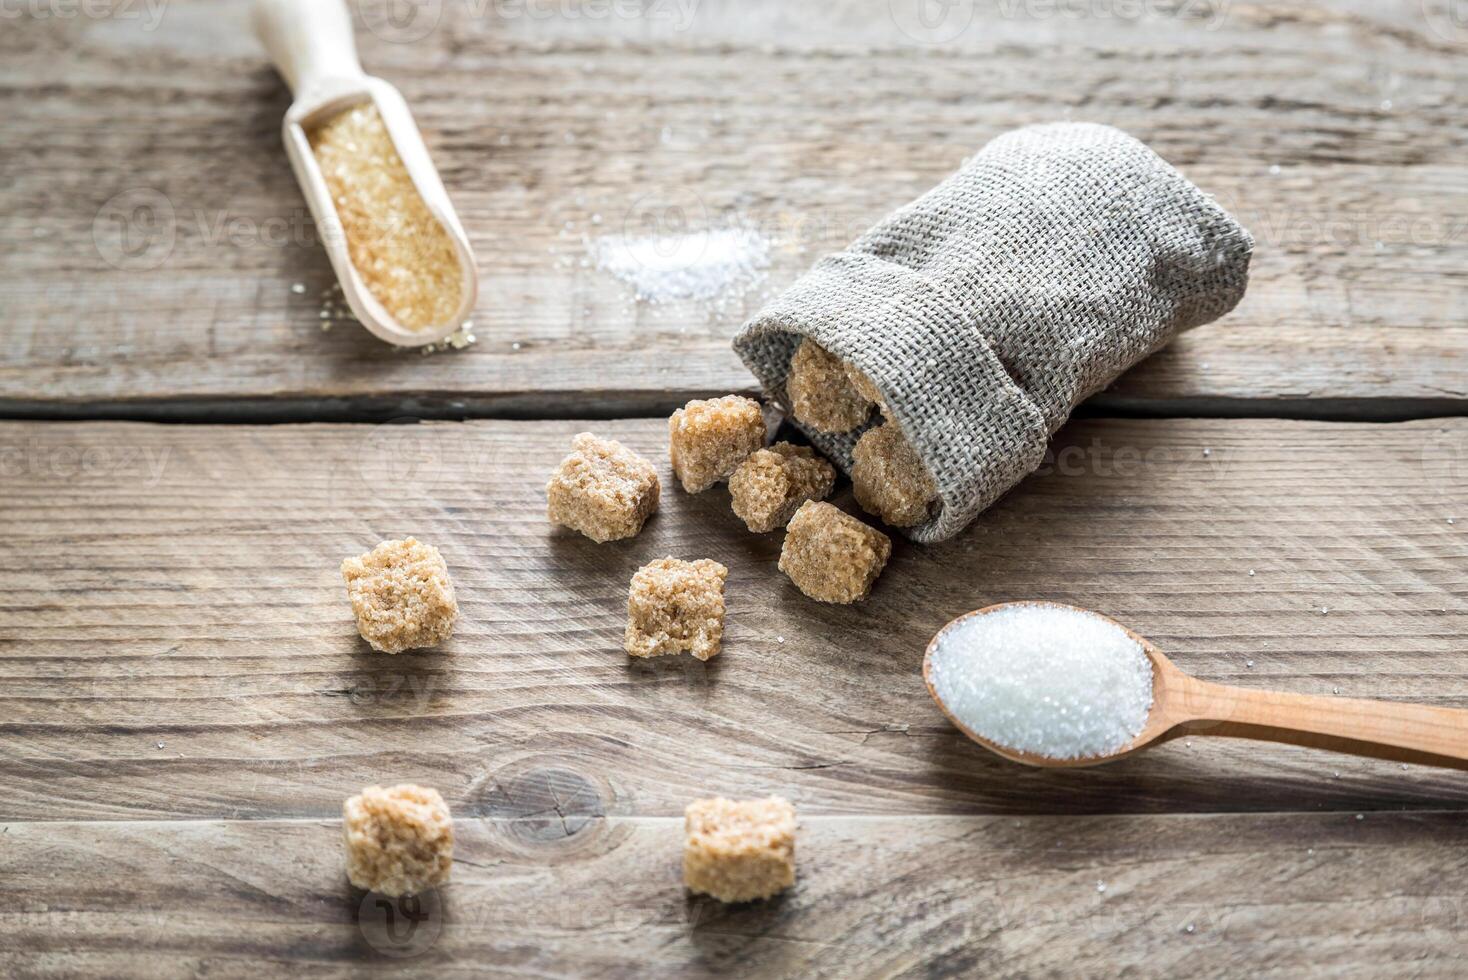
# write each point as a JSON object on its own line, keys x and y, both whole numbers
{"x": 1049, "y": 680}
{"x": 698, "y": 266}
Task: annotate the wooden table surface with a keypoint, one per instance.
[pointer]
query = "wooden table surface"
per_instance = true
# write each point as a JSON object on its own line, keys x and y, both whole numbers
{"x": 1279, "y": 500}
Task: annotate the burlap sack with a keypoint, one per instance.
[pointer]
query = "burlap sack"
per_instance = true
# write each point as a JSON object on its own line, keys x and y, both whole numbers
{"x": 987, "y": 309}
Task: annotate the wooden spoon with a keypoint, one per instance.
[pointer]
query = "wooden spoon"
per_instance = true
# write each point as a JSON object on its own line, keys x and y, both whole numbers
{"x": 312, "y": 45}
{"x": 1183, "y": 705}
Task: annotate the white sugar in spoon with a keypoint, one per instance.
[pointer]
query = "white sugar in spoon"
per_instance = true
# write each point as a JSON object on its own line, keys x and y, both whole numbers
{"x": 1183, "y": 705}
{"x": 311, "y": 44}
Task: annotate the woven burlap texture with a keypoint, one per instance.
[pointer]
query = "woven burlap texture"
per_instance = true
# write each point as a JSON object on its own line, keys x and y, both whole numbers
{"x": 986, "y": 310}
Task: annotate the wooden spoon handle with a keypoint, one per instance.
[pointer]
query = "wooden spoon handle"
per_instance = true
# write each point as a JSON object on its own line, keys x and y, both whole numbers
{"x": 1414, "y": 733}
{"x": 310, "y": 42}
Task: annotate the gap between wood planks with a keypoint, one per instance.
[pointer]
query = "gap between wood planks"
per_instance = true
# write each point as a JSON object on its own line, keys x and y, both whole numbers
{"x": 614, "y": 405}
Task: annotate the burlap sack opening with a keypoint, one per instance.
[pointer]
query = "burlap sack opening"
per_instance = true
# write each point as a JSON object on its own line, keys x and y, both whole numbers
{"x": 986, "y": 310}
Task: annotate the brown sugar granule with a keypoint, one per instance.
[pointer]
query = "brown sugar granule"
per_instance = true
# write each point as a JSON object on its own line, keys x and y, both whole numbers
{"x": 772, "y": 483}
{"x": 401, "y": 595}
{"x": 602, "y": 489}
{"x": 831, "y": 556}
{"x": 820, "y": 392}
{"x": 889, "y": 479}
{"x": 400, "y": 840}
{"x": 739, "y": 851}
{"x": 404, "y": 256}
{"x": 674, "y": 606}
{"x": 865, "y": 388}
{"x": 708, "y": 439}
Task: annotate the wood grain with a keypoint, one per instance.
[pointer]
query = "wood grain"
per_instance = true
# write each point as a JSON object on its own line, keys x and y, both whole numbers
{"x": 1238, "y": 895}
{"x": 175, "y": 642}
{"x": 1335, "y": 131}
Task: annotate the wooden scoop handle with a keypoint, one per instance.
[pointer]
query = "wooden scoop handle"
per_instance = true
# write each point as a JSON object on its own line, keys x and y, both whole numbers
{"x": 310, "y": 42}
{"x": 1381, "y": 729}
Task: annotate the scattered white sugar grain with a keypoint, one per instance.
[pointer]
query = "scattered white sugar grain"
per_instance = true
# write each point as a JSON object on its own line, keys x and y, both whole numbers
{"x": 1309, "y": 852}
{"x": 1251, "y": 573}
{"x": 298, "y": 288}
{"x": 1360, "y": 816}
{"x": 1057, "y": 682}
{"x": 698, "y": 266}
{"x": 1335, "y": 690}
{"x": 1188, "y": 928}
{"x": 1207, "y": 452}
{"x": 1451, "y": 521}
{"x": 1274, "y": 168}
{"x": 1324, "y": 610}
{"x": 458, "y": 340}
{"x": 1248, "y": 663}
{"x": 1100, "y": 886}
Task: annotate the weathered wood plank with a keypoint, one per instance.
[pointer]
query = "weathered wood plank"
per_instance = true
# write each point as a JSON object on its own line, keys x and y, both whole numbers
{"x": 174, "y": 639}
{"x": 1334, "y": 131}
{"x": 1277, "y": 895}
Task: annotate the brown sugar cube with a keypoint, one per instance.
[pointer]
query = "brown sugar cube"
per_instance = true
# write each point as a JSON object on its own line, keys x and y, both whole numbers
{"x": 865, "y": 387}
{"x": 772, "y": 483}
{"x": 738, "y": 851}
{"x": 401, "y": 595}
{"x": 603, "y": 489}
{"x": 708, "y": 439}
{"x": 820, "y": 392}
{"x": 674, "y": 606}
{"x": 831, "y": 556}
{"x": 889, "y": 478}
{"x": 400, "y": 840}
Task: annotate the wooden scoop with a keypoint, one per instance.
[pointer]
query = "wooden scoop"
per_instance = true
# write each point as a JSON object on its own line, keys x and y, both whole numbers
{"x": 311, "y": 44}
{"x": 1183, "y": 705}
